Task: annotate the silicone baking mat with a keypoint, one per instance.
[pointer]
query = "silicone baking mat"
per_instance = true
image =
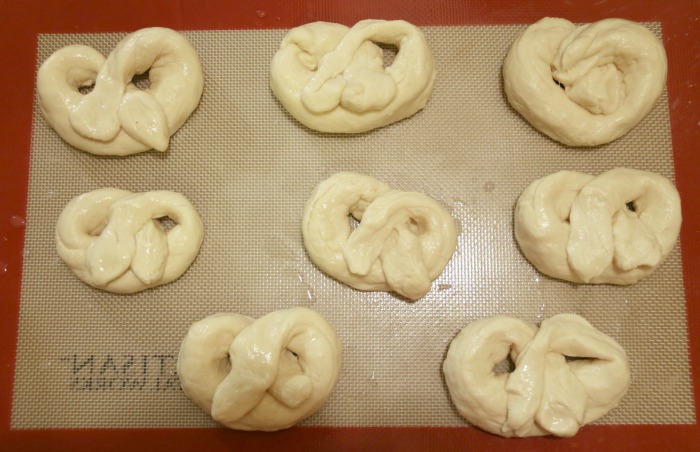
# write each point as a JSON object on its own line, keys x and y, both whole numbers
{"x": 92, "y": 368}
{"x": 249, "y": 168}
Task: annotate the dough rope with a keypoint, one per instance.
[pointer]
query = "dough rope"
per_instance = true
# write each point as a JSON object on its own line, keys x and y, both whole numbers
{"x": 587, "y": 85}
{"x": 265, "y": 374}
{"x": 616, "y": 228}
{"x": 403, "y": 242}
{"x": 332, "y": 78}
{"x": 117, "y": 118}
{"x": 548, "y": 392}
{"x": 112, "y": 239}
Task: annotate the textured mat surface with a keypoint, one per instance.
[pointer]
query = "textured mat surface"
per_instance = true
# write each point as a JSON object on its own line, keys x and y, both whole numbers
{"x": 92, "y": 359}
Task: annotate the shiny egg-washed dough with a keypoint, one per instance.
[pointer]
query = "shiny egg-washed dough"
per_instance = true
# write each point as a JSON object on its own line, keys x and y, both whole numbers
{"x": 332, "y": 78}
{"x": 116, "y": 117}
{"x": 403, "y": 242}
{"x": 615, "y": 228}
{"x": 567, "y": 374}
{"x": 585, "y": 85}
{"x": 266, "y": 374}
{"x": 113, "y": 240}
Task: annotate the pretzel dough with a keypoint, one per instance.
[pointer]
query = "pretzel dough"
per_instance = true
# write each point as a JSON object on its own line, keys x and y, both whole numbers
{"x": 112, "y": 239}
{"x": 265, "y": 374}
{"x": 548, "y": 393}
{"x": 581, "y": 228}
{"x": 402, "y": 244}
{"x": 586, "y": 85}
{"x": 332, "y": 78}
{"x": 117, "y": 118}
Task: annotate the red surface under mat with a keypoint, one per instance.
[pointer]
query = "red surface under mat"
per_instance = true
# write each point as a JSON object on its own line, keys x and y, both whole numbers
{"x": 21, "y": 23}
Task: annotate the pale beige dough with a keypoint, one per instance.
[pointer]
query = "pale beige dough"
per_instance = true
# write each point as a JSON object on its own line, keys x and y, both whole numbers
{"x": 403, "y": 242}
{"x": 332, "y": 78}
{"x": 585, "y": 85}
{"x": 113, "y": 240}
{"x": 580, "y": 228}
{"x": 266, "y": 374}
{"x": 116, "y": 117}
{"x": 547, "y": 393}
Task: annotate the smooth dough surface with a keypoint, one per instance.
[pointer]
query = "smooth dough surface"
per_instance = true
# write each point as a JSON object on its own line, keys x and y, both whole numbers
{"x": 616, "y": 228}
{"x": 116, "y": 117}
{"x": 567, "y": 374}
{"x": 332, "y": 78}
{"x": 403, "y": 242}
{"x": 266, "y": 374}
{"x": 114, "y": 239}
{"x": 585, "y": 85}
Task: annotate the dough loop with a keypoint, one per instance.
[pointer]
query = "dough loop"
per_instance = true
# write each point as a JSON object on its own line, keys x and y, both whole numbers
{"x": 566, "y": 375}
{"x": 587, "y": 85}
{"x": 265, "y": 374}
{"x": 616, "y": 228}
{"x": 113, "y": 239}
{"x": 403, "y": 242}
{"x": 332, "y": 78}
{"x": 116, "y": 117}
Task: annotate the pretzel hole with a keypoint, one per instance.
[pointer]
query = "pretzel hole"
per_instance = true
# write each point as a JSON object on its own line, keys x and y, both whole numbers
{"x": 291, "y": 359}
{"x": 225, "y": 365}
{"x": 413, "y": 226}
{"x": 505, "y": 366}
{"x": 141, "y": 81}
{"x": 631, "y": 206}
{"x": 354, "y": 222}
{"x": 571, "y": 359}
{"x": 166, "y": 223}
{"x": 86, "y": 88}
{"x": 560, "y": 84}
{"x": 389, "y": 52}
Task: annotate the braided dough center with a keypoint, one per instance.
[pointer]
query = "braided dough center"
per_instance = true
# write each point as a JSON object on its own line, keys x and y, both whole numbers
{"x": 567, "y": 374}
{"x": 615, "y": 228}
{"x": 403, "y": 242}
{"x": 265, "y": 374}
{"x": 586, "y": 85}
{"x": 113, "y": 239}
{"x": 332, "y": 78}
{"x": 116, "y": 117}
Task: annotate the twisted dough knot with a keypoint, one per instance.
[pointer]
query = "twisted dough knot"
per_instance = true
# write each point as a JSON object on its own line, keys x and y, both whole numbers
{"x": 566, "y": 375}
{"x": 587, "y": 85}
{"x": 113, "y": 239}
{"x": 117, "y": 118}
{"x": 333, "y": 79}
{"x": 403, "y": 242}
{"x": 615, "y": 228}
{"x": 265, "y": 374}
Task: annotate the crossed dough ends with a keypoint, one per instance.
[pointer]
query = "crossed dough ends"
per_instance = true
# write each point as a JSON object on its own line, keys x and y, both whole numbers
{"x": 567, "y": 374}
{"x": 615, "y": 228}
{"x": 113, "y": 239}
{"x": 403, "y": 242}
{"x": 585, "y": 85}
{"x": 266, "y": 374}
{"x": 332, "y": 78}
{"x": 116, "y": 117}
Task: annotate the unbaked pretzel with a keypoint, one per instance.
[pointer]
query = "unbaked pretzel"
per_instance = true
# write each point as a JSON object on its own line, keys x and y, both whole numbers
{"x": 403, "y": 242}
{"x": 113, "y": 239}
{"x": 615, "y": 228}
{"x": 586, "y": 85}
{"x": 333, "y": 79}
{"x": 117, "y": 118}
{"x": 566, "y": 375}
{"x": 265, "y": 374}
